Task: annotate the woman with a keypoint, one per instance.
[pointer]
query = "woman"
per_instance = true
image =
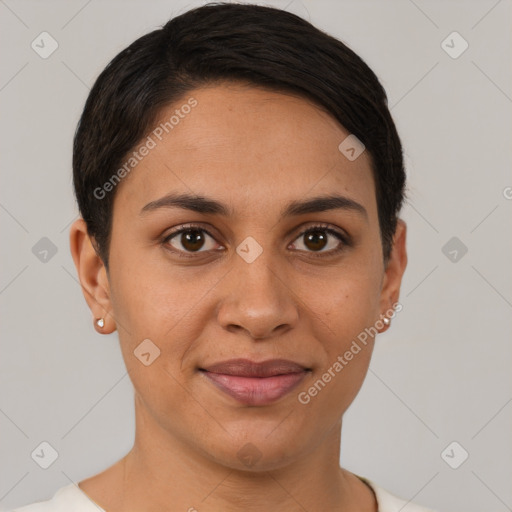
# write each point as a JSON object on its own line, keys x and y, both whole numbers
{"x": 239, "y": 178}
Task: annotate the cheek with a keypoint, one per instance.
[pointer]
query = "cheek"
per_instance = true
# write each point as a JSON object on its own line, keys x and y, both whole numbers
{"x": 353, "y": 309}
{"x": 344, "y": 315}
{"x": 154, "y": 332}
{"x": 343, "y": 305}
{"x": 151, "y": 298}
{"x": 342, "y": 311}
{"x": 162, "y": 304}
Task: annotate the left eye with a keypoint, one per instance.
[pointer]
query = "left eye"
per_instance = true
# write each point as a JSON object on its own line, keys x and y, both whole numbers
{"x": 316, "y": 239}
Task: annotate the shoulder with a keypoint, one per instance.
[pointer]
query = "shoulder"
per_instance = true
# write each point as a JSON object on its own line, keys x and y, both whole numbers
{"x": 388, "y": 502}
{"x": 65, "y": 499}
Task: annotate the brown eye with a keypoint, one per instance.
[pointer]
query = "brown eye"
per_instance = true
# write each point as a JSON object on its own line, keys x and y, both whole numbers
{"x": 192, "y": 240}
{"x": 317, "y": 238}
{"x": 189, "y": 240}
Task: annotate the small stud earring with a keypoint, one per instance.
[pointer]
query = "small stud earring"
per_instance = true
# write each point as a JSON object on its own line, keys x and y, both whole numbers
{"x": 386, "y": 320}
{"x": 100, "y": 322}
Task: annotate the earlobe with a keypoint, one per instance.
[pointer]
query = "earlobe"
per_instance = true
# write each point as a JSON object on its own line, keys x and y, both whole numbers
{"x": 92, "y": 276}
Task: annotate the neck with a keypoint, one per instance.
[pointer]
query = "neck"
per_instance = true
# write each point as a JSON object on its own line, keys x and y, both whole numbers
{"x": 163, "y": 472}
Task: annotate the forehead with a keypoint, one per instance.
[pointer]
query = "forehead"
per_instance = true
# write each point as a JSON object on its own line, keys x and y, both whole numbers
{"x": 249, "y": 146}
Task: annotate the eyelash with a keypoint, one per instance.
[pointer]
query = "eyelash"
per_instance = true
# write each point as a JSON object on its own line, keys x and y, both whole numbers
{"x": 345, "y": 240}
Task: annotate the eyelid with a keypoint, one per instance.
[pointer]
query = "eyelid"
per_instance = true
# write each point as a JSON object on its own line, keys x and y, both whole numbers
{"x": 330, "y": 228}
{"x": 338, "y": 233}
{"x": 184, "y": 228}
{"x": 343, "y": 237}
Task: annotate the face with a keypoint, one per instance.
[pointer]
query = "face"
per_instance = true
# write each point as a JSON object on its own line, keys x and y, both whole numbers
{"x": 249, "y": 277}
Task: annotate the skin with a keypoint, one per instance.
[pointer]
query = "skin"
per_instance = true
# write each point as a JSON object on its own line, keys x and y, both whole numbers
{"x": 255, "y": 151}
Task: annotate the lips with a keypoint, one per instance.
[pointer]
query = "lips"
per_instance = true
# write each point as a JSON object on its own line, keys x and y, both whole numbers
{"x": 253, "y": 383}
{"x": 247, "y": 368}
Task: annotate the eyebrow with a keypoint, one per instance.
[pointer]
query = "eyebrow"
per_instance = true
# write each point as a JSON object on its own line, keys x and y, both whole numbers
{"x": 201, "y": 204}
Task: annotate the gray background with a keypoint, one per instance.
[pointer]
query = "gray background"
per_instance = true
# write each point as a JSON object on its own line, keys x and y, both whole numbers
{"x": 440, "y": 374}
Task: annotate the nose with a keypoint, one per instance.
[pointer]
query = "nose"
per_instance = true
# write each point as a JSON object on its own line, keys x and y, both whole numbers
{"x": 258, "y": 300}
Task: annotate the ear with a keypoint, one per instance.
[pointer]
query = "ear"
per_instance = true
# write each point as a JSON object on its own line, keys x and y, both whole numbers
{"x": 92, "y": 275}
{"x": 394, "y": 271}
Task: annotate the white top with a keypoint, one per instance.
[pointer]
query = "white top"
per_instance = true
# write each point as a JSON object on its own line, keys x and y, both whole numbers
{"x": 72, "y": 498}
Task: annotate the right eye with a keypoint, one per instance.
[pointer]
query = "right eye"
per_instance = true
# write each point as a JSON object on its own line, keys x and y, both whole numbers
{"x": 191, "y": 239}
